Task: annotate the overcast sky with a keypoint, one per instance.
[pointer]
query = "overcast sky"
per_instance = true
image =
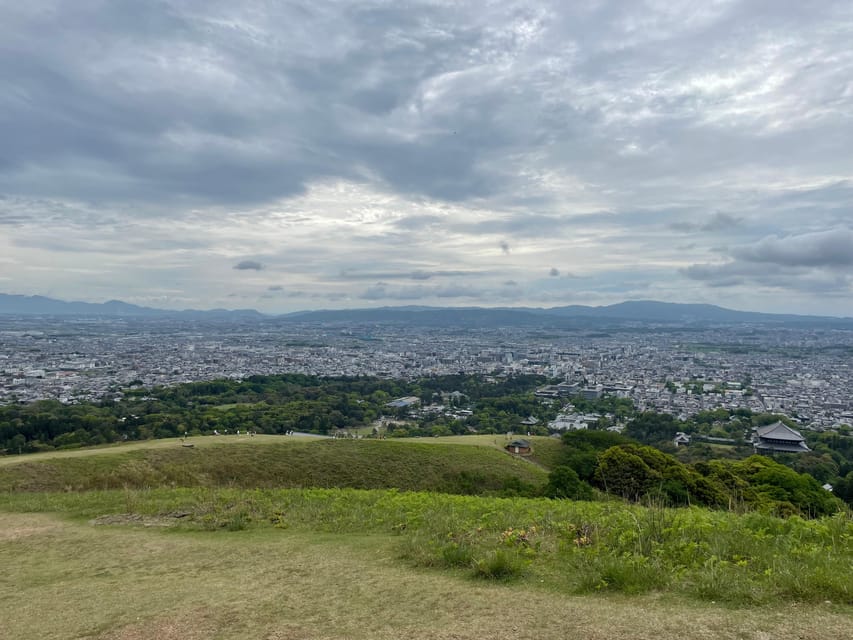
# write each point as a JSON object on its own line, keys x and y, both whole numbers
{"x": 293, "y": 155}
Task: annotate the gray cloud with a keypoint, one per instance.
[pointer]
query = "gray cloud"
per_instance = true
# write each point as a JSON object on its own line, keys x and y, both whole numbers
{"x": 816, "y": 262}
{"x": 248, "y": 265}
{"x": 832, "y": 248}
{"x": 504, "y": 245}
{"x": 720, "y": 222}
{"x": 424, "y": 99}
{"x": 275, "y": 287}
{"x": 714, "y": 223}
{"x": 554, "y": 272}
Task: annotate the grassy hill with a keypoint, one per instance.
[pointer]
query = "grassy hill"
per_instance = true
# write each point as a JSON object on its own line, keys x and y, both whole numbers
{"x": 277, "y": 461}
{"x": 295, "y": 538}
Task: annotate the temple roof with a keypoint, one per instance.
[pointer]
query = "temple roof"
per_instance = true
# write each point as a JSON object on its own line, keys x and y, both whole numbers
{"x": 779, "y": 431}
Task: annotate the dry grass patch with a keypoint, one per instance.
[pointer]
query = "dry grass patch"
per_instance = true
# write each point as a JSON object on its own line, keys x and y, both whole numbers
{"x": 193, "y": 625}
{"x": 15, "y": 527}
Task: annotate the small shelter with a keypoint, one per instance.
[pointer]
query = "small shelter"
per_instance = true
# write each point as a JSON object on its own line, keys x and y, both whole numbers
{"x": 519, "y": 447}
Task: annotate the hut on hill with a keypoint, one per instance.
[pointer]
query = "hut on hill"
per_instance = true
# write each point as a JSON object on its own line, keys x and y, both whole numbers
{"x": 519, "y": 447}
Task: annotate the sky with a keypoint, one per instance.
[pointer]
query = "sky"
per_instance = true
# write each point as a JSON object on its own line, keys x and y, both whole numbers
{"x": 329, "y": 154}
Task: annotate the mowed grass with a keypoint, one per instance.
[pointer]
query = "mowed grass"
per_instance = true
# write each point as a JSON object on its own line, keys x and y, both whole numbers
{"x": 71, "y": 579}
{"x": 559, "y": 545}
{"x": 228, "y": 461}
{"x": 547, "y": 452}
{"x": 164, "y": 443}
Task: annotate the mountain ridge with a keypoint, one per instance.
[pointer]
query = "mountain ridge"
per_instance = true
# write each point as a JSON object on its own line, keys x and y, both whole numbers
{"x": 13, "y": 304}
{"x": 644, "y": 311}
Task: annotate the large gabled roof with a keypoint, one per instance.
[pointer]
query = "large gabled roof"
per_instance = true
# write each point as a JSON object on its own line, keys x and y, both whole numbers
{"x": 779, "y": 431}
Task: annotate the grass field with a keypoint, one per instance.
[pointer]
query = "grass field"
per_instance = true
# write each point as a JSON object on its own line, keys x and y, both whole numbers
{"x": 328, "y": 569}
{"x": 544, "y": 448}
{"x": 165, "y": 443}
{"x": 282, "y": 461}
{"x": 205, "y": 553}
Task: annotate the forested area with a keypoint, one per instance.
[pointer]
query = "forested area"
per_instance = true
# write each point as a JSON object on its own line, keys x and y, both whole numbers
{"x": 264, "y": 404}
{"x": 620, "y": 466}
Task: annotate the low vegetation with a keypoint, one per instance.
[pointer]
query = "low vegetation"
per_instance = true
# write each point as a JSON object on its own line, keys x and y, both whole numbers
{"x": 131, "y": 582}
{"x": 559, "y": 545}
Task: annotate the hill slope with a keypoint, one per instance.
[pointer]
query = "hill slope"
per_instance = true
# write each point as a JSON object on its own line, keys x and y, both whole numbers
{"x": 280, "y": 463}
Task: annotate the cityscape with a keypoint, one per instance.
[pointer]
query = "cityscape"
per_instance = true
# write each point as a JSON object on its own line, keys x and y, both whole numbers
{"x": 798, "y": 372}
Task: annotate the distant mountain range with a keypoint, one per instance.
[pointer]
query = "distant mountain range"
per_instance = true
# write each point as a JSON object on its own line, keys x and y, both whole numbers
{"x": 624, "y": 313}
{"x": 42, "y": 306}
{"x": 633, "y": 311}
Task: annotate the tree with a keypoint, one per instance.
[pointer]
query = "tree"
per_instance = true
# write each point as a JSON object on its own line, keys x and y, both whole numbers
{"x": 624, "y": 473}
{"x": 563, "y": 482}
{"x": 844, "y": 488}
{"x": 651, "y": 427}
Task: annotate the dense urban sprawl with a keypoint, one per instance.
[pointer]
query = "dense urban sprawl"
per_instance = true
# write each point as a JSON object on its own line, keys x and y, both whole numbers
{"x": 799, "y": 372}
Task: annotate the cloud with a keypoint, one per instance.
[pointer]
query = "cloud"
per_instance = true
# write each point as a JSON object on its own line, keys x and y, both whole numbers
{"x": 831, "y": 248}
{"x": 554, "y": 272}
{"x": 716, "y": 222}
{"x": 720, "y": 222}
{"x": 818, "y": 262}
{"x": 504, "y": 245}
{"x": 275, "y": 287}
{"x": 248, "y": 265}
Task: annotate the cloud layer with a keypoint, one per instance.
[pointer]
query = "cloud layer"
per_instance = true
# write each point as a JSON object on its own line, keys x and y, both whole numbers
{"x": 368, "y": 152}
